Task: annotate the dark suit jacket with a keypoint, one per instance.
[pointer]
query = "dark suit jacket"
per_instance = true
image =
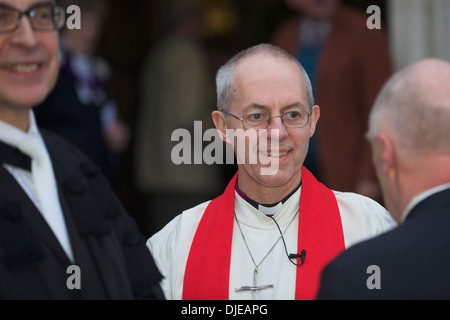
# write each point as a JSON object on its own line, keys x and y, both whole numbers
{"x": 413, "y": 259}
{"x": 354, "y": 64}
{"x": 112, "y": 256}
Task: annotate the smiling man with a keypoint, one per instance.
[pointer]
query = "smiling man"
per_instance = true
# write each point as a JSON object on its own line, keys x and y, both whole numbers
{"x": 269, "y": 235}
{"x": 56, "y": 209}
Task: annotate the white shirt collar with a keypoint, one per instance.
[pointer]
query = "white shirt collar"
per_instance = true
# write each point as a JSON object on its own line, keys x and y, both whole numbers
{"x": 420, "y": 197}
{"x": 14, "y": 136}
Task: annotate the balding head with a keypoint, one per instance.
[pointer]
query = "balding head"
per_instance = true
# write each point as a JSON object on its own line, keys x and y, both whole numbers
{"x": 225, "y": 75}
{"x": 414, "y": 106}
{"x": 409, "y": 128}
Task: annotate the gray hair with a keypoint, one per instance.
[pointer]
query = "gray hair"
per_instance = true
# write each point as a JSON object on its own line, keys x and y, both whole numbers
{"x": 225, "y": 74}
{"x": 415, "y": 104}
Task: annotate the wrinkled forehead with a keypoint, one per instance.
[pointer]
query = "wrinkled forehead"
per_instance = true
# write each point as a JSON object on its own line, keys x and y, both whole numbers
{"x": 264, "y": 66}
{"x": 270, "y": 74}
{"x": 269, "y": 81}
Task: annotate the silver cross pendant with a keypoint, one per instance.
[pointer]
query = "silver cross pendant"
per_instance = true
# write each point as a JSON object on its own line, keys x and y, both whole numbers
{"x": 254, "y": 287}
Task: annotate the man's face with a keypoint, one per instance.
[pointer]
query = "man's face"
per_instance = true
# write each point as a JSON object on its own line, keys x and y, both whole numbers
{"x": 29, "y": 61}
{"x": 274, "y": 86}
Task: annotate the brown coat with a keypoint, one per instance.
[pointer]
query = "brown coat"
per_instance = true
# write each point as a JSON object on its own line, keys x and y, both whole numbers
{"x": 354, "y": 65}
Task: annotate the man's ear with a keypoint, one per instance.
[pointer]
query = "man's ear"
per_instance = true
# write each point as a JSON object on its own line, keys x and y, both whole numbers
{"x": 315, "y": 115}
{"x": 221, "y": 126}
{"x": 385, "y": 152}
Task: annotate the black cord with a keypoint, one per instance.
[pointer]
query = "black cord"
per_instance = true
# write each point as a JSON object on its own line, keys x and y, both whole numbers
{"x": 290, "y": 256}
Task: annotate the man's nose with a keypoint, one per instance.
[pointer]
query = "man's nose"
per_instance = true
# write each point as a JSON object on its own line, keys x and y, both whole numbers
{"x": 276, "y": 123}
{"x": 24, "y": 35}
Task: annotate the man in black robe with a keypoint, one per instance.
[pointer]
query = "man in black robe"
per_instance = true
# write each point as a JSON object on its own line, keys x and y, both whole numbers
{"x": 63, "y": 232}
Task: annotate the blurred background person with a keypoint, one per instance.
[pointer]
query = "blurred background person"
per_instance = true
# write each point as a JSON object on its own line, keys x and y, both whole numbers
{"x": 175, "y": 90}
{"x": 348, "y": 64}
{"x": 79, "y": 108}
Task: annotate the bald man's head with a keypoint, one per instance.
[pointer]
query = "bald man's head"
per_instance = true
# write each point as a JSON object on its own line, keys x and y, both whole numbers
{"x": 414, "y": 107}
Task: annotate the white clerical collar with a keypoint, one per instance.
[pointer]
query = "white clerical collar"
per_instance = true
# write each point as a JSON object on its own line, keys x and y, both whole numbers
{"x": 420, "y": 197}
{"x": 251, "y": 216}
{"x": 267, "y": 209}
{"x": 14, "y": 136}
{"x": 270, "y": 211}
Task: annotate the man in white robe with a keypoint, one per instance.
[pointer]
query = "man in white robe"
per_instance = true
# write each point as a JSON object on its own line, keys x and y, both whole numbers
{"x": 248, "y": 243}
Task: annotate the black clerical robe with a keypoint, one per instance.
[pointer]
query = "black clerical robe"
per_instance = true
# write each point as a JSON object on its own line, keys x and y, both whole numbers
{"x": 113, "y": 261}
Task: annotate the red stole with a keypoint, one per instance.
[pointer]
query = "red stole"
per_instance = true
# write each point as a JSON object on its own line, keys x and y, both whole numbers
{"x": 320, "y": 234}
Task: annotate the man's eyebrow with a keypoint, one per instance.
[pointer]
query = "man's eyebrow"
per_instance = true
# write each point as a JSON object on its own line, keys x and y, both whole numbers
{"x": 6, "y": 6}
{"x": 263, "y": 107}
{"x": 34, "y": 5}
{"x": 256, "y": 106}
{"x": 253, "y": 106}
{"x": 293, "y": 105}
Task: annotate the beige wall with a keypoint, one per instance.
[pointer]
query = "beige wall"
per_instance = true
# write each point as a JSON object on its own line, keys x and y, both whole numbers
{"x": 419, "y": 29}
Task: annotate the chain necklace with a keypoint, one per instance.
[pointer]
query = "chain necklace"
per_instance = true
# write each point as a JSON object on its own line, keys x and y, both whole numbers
{"x": 256, "y": 287}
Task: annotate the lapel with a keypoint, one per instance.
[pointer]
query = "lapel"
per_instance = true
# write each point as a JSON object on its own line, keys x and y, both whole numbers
{"x": 14, "y": 193}
{"x": 88, "y": 212}
{"x": 81, "y": 214}
{"x": 79, "y": 190}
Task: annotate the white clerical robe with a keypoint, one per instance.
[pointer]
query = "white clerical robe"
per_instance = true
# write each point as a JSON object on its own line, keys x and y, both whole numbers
{"x": 361, "y": 218}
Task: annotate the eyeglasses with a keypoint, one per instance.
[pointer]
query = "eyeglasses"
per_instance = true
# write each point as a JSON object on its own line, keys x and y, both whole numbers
{"x": 290, "y": 119}
{"x": 43, "y": 17}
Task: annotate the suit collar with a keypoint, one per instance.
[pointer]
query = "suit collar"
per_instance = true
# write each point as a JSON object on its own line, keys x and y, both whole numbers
{"x": 14, "y": 136}
{"x": 435, "y": 197}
